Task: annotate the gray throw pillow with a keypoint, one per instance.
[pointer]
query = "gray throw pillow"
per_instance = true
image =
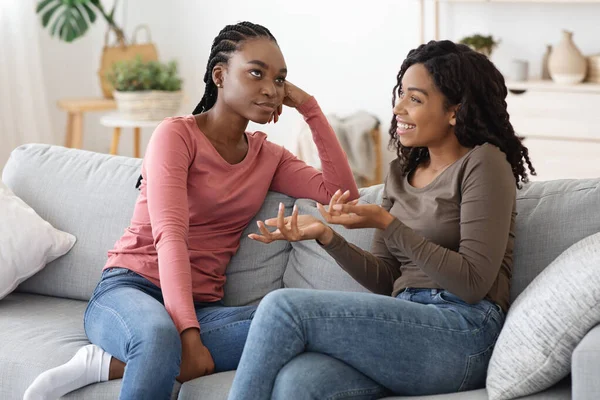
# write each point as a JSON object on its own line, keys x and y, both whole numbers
{"x": 546, "y": 322}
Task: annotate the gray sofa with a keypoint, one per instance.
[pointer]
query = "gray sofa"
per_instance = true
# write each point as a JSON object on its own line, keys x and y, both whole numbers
{"x": 92, "y": 195}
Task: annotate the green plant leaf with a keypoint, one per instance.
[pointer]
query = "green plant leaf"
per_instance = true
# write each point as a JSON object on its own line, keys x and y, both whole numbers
{"x": 82, "y": 25}
{"x": 55, "y": 26}
{"x": 90, "y": 13}
{"x": 42, "y": 4}
{"x": 48, "y": 15}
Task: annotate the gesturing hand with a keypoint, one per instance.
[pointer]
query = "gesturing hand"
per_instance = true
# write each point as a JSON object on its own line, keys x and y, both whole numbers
{"x": 292, "y": 229}
{"x": 352, "y": 215}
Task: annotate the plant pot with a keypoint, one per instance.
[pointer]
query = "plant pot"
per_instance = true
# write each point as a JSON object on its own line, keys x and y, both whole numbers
{"x": 566, "y": 64}
{"x": 150, "y": 105}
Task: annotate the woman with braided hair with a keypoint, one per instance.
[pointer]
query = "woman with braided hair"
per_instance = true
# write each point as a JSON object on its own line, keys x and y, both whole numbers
{"x": 156, "y": 315}
{"x": 441, "y": 260}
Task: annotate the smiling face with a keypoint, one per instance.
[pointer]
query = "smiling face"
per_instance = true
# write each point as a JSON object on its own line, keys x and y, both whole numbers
{"x": 423, "y": 118}
{"x": 253, "y": 79}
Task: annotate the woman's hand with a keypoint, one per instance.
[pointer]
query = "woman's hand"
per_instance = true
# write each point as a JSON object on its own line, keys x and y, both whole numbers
{"x": 292, "y": 229}
{"x": 294, "y": 97}
{"x": 196, "y": 360}
{"x": 354, "y": 216}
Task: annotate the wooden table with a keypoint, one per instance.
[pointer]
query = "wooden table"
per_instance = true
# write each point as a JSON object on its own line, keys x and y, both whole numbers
{"x": 75, "y": 109}
{"x": 116, "y": 121}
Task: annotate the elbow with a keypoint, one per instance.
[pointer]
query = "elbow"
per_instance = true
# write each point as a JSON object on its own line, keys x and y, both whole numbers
{"x": 473, "y": 298}
{"x": 474, "y": 294}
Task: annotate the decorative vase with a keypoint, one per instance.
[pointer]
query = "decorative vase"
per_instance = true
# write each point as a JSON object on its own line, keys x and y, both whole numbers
{"x": 545, "y": 72}
{"x": 566, "y": 64}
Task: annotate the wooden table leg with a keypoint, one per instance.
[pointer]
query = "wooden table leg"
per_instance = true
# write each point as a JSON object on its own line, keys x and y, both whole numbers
{"x": 115, "y": 140}
{"x": 136, "y": 142}
{"x": 77, "y": 132}
{"x": 69, "y": 130}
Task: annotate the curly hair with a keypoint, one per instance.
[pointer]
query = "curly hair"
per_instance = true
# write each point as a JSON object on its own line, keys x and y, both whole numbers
{"x": 468, "y": 79}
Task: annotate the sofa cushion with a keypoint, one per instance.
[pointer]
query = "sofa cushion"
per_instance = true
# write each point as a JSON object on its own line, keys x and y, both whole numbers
{"x": 310, "y": 267}
{"x": 92, "y": 196}
{"x": 256, "y": 269}
{"x": 27, "y": 242}
{"x": 552, "y": 216}
{"x": 39, "y": 333}
{"x": 546, "y": 322}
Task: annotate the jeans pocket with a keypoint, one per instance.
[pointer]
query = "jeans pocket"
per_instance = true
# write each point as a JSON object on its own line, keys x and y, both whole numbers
{"x": 114, "y": 271}
{"x": 476, "y": 372}
{"x": 483, "y": 306}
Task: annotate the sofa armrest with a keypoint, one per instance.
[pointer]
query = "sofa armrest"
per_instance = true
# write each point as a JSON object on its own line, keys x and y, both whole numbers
{"x": 586, "y": 366}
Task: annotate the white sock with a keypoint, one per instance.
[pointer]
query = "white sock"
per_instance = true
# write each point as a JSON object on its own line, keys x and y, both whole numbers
{"x": 89, "y": 365}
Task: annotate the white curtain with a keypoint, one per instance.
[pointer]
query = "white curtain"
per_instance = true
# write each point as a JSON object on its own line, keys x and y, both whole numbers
{"x": 24, "y": 116}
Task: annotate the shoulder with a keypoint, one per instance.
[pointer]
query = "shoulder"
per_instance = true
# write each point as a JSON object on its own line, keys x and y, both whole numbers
{"x": 175, "y": 127}
{"x": 176, "y": 133}
{"x": 486, "y": 157}
{"x": 487, "y": 163}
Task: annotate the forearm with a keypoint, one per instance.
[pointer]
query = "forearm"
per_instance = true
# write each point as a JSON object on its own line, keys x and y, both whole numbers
{"x": 334, "y": 162}
{"x": 176, "y": 284}
{"x": 374, "y": 273}
{"x": 470, "y": 278}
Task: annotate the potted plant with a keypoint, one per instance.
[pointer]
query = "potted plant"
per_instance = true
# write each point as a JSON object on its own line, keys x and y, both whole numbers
{"x": 483, "y": 44}
{"x": 70, "y": 20}
{"x": 146, "y": 90}
{"x": 73, "y": 17}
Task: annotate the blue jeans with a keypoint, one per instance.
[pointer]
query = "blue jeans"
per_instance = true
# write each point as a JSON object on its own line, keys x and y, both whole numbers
{"x": 126, "y": 317}
{"x": 307, "y": 344}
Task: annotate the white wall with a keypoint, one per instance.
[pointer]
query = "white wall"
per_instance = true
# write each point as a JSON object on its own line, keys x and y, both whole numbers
{"x": 346, "y": 53}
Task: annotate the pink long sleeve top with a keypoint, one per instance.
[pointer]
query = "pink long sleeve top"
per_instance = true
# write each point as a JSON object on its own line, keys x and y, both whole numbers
{"x": 193, "y": 205}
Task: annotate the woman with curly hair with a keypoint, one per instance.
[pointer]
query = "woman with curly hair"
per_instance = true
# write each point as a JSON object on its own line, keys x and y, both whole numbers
{"x": 440, "y": 264}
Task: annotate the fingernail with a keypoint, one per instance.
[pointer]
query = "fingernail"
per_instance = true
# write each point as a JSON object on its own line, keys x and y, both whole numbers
{"x": 338, "y": 191}
{"x": 295, "y": 208}
{"x": 281, "y": 205}
{"x": 258, "y": 223}
{"x": 337, "y": 207}
{"x": 347, "y": 192}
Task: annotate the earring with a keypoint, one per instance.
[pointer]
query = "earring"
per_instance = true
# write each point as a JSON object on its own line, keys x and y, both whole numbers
{"x": 219, "y": 85}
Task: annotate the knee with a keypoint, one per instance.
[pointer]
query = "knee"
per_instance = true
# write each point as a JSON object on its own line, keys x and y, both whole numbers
{"x": 159, "y": 340}
{"x": 298, "y": 379}
{"x": 282, "y": 300}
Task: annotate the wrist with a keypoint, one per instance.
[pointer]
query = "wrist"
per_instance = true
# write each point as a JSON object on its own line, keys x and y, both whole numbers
{"x": 191, "y": 337}
{"x": 385, "y": 220}
{"x": 326, "y": 236}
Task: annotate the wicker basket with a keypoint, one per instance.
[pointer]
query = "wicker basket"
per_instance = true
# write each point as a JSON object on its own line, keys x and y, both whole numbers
{"x": 151, "y": 105}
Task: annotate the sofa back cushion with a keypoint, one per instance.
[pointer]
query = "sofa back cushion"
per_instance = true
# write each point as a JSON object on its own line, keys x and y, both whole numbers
{"x": 89, "y": 195}
{"x": 552, "y": 216}
{"x": 310, "y": 267}
{"x": 92, "y": 196}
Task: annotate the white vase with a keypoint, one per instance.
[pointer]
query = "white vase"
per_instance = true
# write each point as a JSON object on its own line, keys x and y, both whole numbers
{"x": 566, "y": 64}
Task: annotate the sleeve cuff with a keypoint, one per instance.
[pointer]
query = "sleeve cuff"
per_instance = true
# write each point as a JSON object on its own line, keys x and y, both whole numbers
{"x": 183, "y": 325}
{"x": 336, "y": 242}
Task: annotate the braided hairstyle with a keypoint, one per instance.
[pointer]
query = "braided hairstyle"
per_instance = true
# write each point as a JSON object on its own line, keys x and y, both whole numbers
{"x": 226, "y": 42}
{"x": 468, "y": 79}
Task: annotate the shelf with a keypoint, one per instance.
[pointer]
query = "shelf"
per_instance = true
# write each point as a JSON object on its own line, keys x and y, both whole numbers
{"x": 523, "y": 1}
{"x": 550, "y": 86}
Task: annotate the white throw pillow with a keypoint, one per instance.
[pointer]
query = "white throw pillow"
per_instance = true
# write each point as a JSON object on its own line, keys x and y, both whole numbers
{"x": 546, "y": 322}
{"x": 27, "y": 242}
